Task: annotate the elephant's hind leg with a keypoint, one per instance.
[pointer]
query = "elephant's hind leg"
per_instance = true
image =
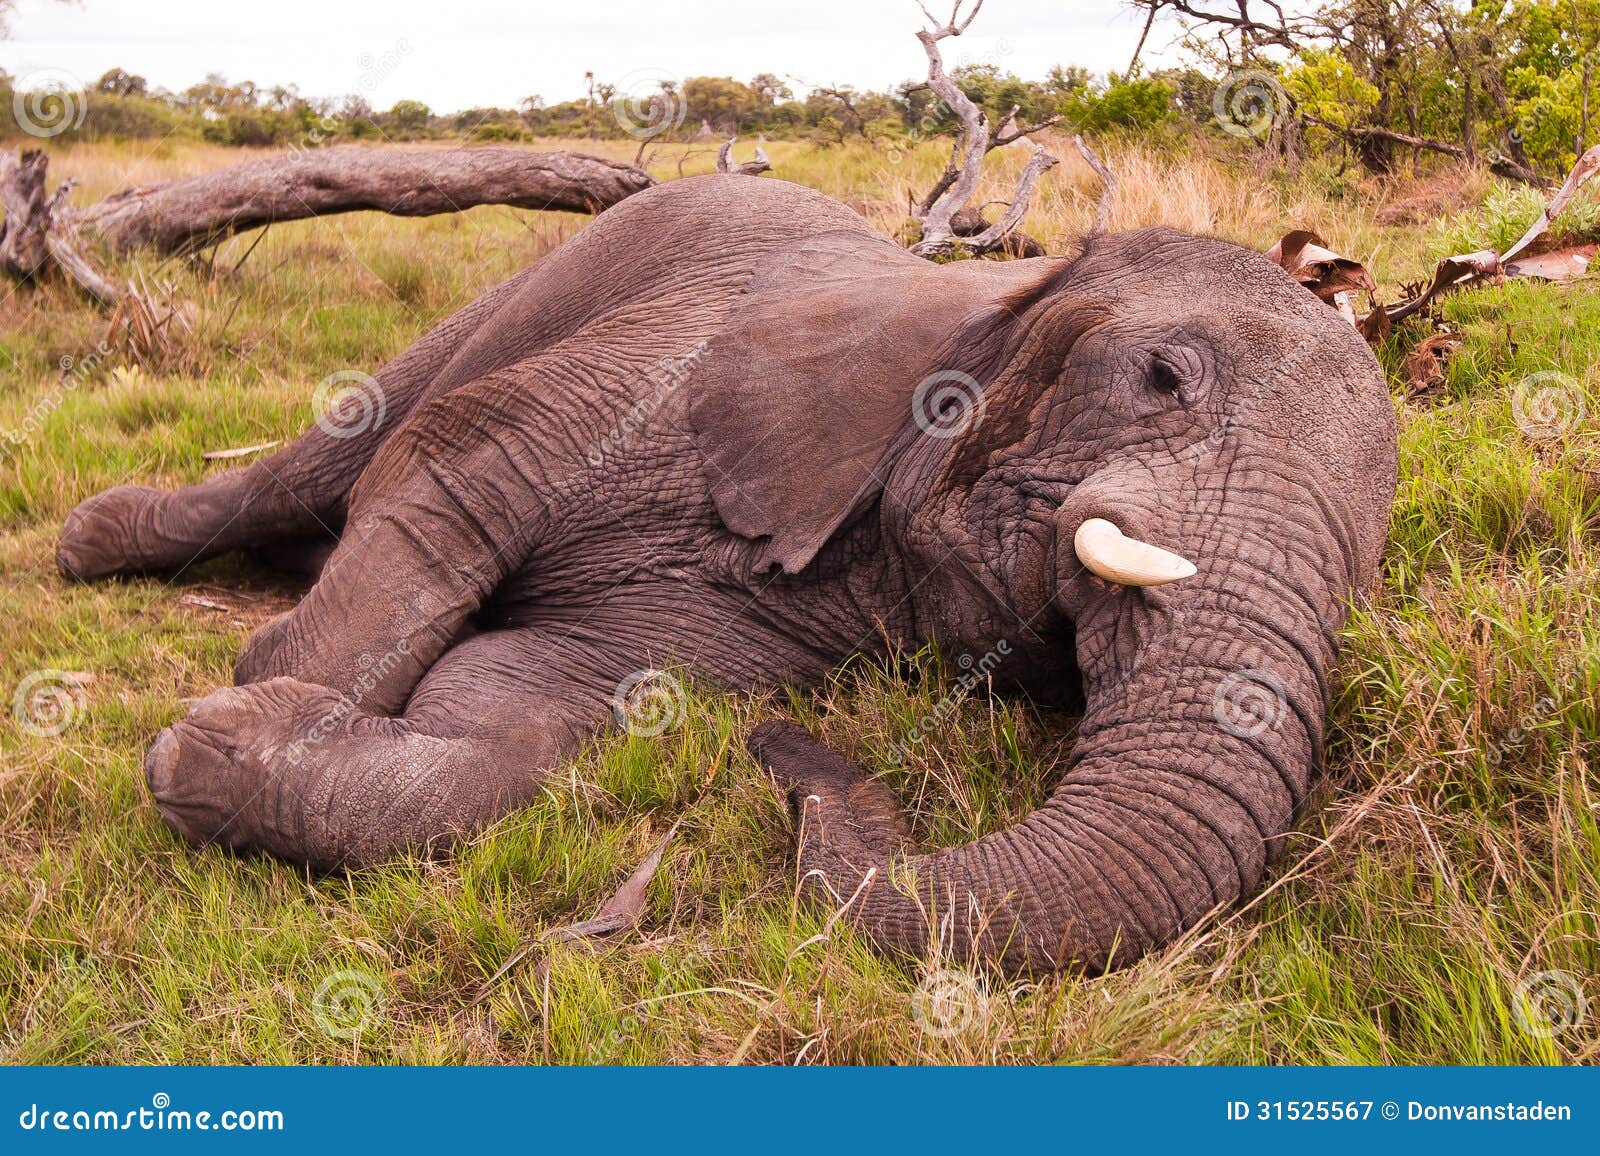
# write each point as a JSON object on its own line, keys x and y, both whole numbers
{"x": 139, "y": 529}
{"x": 306, "y": 774}
{"x": 289, "y": 502}
{"x": 449, "y": 508}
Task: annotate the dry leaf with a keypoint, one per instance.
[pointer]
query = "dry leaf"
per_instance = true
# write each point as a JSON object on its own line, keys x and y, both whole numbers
{"x": 1424, "y": 365}
{"x": 1587, "y": 165}
{"x": 1306, "y": 257}
{"x": 623, "y": 910}
{"x": 1333, "y": 278}
{"x": 1458, "y": 272}
{"x": 1375, "y": 326}
{"x": 1565, "y": 264}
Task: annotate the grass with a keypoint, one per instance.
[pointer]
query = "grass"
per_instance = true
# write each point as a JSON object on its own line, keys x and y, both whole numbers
{"x": 1450, "y": 861}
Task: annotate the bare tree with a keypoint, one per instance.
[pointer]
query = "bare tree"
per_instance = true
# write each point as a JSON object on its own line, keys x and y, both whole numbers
{"x": 954, "y": 191}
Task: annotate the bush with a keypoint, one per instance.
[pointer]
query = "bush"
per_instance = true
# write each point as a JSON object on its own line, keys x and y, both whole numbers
{"x": 1123, "y": 104}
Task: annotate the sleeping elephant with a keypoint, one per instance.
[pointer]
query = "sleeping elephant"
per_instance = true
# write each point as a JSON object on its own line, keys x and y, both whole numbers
{"x": 729, "y": 426}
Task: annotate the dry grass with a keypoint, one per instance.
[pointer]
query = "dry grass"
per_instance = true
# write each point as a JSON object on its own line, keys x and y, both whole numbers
{"x": 1451, "y": 860}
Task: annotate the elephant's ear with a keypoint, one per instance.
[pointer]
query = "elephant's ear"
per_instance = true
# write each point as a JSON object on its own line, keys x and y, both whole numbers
{"x": 798, "y": 401}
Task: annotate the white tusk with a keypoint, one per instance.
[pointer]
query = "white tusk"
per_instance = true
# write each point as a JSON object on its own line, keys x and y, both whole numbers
{"x": 1126, "y": 561}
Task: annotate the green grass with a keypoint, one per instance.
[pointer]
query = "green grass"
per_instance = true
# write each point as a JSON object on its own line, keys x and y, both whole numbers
{"x": 1452, "y": 851}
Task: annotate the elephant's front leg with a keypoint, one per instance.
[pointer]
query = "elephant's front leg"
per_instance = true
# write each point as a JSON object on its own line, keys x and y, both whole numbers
{"x": 444, "y": 513}
{"x": 302, "y": 772}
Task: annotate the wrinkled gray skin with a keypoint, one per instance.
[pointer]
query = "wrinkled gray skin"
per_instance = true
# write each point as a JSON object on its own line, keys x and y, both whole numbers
{"x": 688, "y": 435}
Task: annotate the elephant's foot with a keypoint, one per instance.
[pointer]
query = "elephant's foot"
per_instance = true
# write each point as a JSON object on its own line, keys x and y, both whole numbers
{"x": 305, "y": 773}
{"x": 233, "y": 771}
{"x": 111, "y": 533}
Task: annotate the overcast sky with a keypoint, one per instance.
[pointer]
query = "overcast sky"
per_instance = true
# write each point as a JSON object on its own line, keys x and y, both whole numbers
{"x": 455, "y": 54}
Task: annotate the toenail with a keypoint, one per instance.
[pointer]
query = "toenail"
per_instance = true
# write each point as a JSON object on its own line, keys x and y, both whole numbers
{"x": 160, "y": 761}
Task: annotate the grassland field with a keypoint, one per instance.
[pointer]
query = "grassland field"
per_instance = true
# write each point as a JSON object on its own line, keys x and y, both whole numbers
{"x": 1439, "y": 901}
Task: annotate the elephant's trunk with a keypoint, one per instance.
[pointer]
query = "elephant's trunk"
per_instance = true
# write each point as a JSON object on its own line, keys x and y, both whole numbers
{"x": 1204, "y": 720}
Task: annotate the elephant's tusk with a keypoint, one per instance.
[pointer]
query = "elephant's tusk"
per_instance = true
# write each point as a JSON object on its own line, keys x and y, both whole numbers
{"x": 1127, "y": 561}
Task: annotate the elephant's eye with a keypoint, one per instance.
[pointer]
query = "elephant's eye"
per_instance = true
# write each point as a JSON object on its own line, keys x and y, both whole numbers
{"x": 1163, "y": 377}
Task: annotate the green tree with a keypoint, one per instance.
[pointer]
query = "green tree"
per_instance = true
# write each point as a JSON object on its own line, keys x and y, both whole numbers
{"x": 410, "y": 115}
{"x": 721, "y": 101}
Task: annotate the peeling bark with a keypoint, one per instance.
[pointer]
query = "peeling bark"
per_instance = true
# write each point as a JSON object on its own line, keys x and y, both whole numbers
{"x": 38, "y": 230}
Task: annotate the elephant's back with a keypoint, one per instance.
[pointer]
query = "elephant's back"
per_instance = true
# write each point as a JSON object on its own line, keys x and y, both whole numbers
{"x": 690, "y": 244}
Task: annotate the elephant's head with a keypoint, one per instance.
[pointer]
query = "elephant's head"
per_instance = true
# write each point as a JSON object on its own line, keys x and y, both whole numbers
{"x": 1163, "y": 460}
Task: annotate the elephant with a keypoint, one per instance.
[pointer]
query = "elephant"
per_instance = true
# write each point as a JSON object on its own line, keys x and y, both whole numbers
{"x": 731, "y": 427}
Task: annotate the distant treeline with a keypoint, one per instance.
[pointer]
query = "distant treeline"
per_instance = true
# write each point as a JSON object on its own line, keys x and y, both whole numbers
{"x": 122, "y": 105}
{"x": 1377, "y": 82}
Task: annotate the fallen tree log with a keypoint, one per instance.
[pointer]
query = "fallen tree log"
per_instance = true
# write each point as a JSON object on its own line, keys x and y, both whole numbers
{"x": 184, "y": 215}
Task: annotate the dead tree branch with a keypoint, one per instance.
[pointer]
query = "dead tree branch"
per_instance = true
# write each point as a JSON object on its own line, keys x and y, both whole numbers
{"x": 751, "y": 168}
{"x": 954, "y": 190}
{"x": 1278, "y": 31}
{"x": 1502, "y": 164}
{"x": 185, "y": 215}
{"x": 1108, "y": 185}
